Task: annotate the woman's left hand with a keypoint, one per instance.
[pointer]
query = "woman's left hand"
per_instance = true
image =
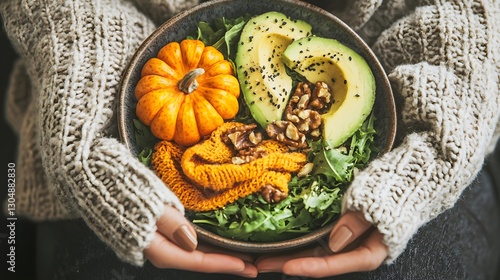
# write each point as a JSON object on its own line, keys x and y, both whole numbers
{"x": 354, "y": 246}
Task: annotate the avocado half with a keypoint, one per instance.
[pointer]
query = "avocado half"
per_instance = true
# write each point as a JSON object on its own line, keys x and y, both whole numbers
{"x": 264, "y": 82}
{"x": 347, "y": 74}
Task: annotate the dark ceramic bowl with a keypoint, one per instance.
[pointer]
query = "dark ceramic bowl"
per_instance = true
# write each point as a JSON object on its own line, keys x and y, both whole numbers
{"x": 323, "y": 23}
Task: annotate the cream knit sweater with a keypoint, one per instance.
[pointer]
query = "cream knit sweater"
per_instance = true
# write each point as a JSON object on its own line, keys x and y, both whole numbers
{"x": 443, "y": 62}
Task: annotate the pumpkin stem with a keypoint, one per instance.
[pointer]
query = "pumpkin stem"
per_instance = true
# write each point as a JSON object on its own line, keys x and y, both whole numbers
{"x": 188, "y": 83}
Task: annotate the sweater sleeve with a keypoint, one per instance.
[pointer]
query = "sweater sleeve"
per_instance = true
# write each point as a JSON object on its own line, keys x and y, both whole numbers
{"x": 161, "y": 10}
{"x": 444, "y": 68}
{"x": 74, "y": 53}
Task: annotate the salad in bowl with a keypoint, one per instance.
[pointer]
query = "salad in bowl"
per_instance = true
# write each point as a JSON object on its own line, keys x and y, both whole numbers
{"x": 257, "y": 121}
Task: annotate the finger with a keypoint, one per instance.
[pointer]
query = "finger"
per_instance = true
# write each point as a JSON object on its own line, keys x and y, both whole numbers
{"x": 177, "y": 228}
{"x": 163, "y": 253}
{"x": 205, "y": 248}
{"x": 366, "y": 257}
{"x": 274, "y": 263}
{"x": 348, "y": 228}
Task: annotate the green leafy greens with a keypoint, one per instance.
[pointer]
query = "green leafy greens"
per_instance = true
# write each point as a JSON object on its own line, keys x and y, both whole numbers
{"x": 223, "y": 34}
{"x": 313, "y": 201}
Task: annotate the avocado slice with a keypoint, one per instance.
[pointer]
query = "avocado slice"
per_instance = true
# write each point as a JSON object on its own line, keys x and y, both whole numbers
{"x": 347, "y": 74}
{"x": 263, "y": 79}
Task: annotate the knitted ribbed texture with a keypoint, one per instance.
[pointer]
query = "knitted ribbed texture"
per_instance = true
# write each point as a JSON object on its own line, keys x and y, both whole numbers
{"x": 443, "y": 62}
{"x": 161, "y": 10}
{"x": 442, "y": 59}
{"x": 74, "y": 52}
{"x": 204, "y": 177}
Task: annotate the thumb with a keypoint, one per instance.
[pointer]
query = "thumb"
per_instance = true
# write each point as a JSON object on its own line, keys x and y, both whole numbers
{"x": 348, "y": 228}
{"x": 177, "y": 229}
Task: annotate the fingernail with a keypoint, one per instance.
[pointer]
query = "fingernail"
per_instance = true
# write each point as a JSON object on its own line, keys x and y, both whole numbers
{"x": 185, "y": 239}
{"x": 339, "y": 238}
{"x": 250, "y": 271}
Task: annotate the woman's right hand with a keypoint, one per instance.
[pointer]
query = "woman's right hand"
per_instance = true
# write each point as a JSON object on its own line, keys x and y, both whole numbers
{"x": 175, "y": 246}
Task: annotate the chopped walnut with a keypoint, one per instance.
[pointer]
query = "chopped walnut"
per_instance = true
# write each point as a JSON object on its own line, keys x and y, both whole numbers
{"x": 321, "y": 98}
{"x": 305, "y": 107}
{"x": 243, "y": 137}
{"x": 287, "y": 133}
{"x": 309, "y": 120}
{"x": 272, "y": 194}
{"x": 300, "y": 98}
{"x": 249, "y": 154}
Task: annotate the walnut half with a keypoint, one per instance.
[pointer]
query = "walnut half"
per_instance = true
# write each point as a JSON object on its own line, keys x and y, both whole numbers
{"x": 321, "y": 98}
{"x": 242, "y": 137}
{"x": 272, "y": 194}
{"x": 249, "y": 154}
{"x": 287, "y": 133}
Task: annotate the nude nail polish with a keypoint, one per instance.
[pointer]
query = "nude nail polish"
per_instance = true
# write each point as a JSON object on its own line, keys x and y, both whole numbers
{"x": 185, "y": 239}
{"x": 340, "y": 238}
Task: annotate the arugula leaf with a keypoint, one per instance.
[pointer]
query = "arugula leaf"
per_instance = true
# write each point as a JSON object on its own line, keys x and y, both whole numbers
{"x": 222, "y": 34}
{"x": 333, "y": 163}
{"x": 362, "y": 142}
{"x": 207, "y": 34}
{"x": 145, "y": 141}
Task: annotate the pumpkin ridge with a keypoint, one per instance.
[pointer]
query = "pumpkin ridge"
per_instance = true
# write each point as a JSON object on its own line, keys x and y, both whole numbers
{"x": 171, "y": 54}
{"x": 156, "y": 66}
{"x": 207, "y": 117}
{"x": 209, "y": 57}
{"x": 152, "y": 82}
{"x": 161, "y": 125}
{"x": 191, "y": 52}
{"x": 223, "y": 101}
{"x": 154, "y": 100}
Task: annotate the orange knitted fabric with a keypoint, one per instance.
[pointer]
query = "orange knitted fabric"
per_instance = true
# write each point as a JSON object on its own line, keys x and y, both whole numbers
{"x": 204, "y": 178}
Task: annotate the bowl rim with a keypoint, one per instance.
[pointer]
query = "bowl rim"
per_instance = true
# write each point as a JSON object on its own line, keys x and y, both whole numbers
{"x": 211, "y": 237}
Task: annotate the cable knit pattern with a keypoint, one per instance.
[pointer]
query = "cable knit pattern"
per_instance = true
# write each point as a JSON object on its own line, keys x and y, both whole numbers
{"x": 75, "y": 52}
{"x": 444, "y": 67}
{"x": 358, "y": 12}
{"x": 442, "y": 58}
{"x": 161, "y": 10}
{"x": 18, "y": 96}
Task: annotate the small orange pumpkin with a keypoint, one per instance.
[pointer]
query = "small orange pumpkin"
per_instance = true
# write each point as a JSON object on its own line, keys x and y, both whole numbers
{"x": 186, "y": 92}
